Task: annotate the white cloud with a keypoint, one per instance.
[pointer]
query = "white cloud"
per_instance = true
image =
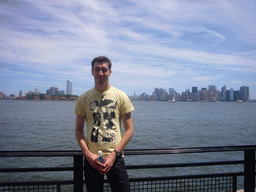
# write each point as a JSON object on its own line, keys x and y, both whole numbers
{"x": 209, "y": 79}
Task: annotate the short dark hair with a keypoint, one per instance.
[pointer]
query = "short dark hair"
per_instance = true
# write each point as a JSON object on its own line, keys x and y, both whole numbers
{"x": 102, "y": 59}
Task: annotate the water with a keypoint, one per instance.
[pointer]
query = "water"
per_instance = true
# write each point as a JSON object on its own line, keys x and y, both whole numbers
{"x": 50, "y": 125}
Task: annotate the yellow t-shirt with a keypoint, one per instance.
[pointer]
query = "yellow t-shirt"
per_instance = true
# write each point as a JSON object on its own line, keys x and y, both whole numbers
{"x": 103, "y": 117}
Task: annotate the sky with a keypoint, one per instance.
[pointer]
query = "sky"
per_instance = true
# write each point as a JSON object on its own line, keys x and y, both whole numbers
{"x": 152, "y": 44}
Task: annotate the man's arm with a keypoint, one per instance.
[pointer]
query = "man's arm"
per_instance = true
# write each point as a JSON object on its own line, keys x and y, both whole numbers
{"x": 128, "y": 126}
{"x": 92, "y": 158}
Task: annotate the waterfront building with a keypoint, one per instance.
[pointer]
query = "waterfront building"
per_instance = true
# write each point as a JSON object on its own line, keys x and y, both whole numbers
{"x": 185, "y": 95}
{"x": 60, "y": 92}
{"x": 144, "y": 97}
{"x": 69, "y": 87}
{"x": 236, "y": 95}
{"x": 212, "y": 88}
{"x": 203, "y": 95}
{"x": 153, "y": 96}
{"x": 219, "y": 95}
{"x": 30, "y": 93}
{"x": 160, "y": 94}
{"x": 20, "y": 93}
{"x": 231, "y": 96}
{"x": 194, "y": 94}
{"x": 12, "y": 96}
{"x": 172, "y": 92}
{"x": 244, "y": 93}
{"x": 223, "y": 93}
{"x": 227, "y": 95}
{"x": 1, "y": 95}
{"x": 52, "y": 91}
{"x": 194, "y": 89}
{"x": 164, "y": 96}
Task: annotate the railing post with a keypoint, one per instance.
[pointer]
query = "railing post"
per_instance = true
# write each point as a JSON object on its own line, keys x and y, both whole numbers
{"x": 249, "y": 170}
{"x": 78, "y": 173}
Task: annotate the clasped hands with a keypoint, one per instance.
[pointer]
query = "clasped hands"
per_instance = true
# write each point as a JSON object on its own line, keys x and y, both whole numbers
{"x": 102, "y": 168}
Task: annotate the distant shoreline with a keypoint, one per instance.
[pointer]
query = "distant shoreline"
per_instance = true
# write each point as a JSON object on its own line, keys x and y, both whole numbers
{"x": 75, "y": 99}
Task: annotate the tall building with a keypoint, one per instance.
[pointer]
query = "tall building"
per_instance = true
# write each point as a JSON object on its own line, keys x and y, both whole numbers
{"x": 194, "y": 94}
{"x": 52, "y": 91}
{"x": 236, "y": 95}
{"x": 227, "y": 95}
{"x": 231, "y": 96}
{"x": 1, "y": 95}
{"x": 244, "y": 93}
{"x": 212, "y": 88}
{"x": 160, "y": 94}
{"x": 172, "y": 91}
{"x": 223, "y": 93}
{"x": 69, "y": 87}
{"x": 194, "y": 89}
{"x": 20, "y": 93}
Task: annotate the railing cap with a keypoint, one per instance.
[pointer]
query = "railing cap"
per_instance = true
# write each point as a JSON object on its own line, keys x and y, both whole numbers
{"x": 173, "y": 150}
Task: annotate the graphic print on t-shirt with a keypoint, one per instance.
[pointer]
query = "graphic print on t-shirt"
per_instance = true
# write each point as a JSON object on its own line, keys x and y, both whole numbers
{"x": 103, "y": 115}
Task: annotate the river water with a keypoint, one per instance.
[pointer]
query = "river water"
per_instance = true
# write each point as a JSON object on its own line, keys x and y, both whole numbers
{"x": 50, "y": 125}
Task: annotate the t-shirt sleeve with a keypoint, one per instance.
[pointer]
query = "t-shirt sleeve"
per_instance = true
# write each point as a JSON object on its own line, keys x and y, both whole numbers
{"x": 80, "y": 105}
{"x": 127, "y": 106}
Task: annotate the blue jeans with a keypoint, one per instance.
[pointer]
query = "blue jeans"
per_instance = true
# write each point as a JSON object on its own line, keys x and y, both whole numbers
{"x": 117, "y": 177}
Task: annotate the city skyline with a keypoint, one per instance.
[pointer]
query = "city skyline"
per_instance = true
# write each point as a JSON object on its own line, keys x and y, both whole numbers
{"x": 179, "y": 44}
{"x": 170, "y": 91}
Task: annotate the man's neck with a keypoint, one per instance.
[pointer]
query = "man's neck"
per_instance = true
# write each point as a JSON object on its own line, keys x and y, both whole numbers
{"x": 102, "y": 88}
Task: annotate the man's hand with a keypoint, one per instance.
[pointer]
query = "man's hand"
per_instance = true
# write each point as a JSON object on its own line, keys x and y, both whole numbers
{"x": 108, "y": 164}
{"x": 93, "y": 160}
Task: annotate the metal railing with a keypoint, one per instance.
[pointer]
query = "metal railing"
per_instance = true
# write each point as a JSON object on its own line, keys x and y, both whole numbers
{"x": 200, "y": 182}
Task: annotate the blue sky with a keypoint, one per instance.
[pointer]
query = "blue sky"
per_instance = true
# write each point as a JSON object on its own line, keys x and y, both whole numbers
{"x": 163, "y": 44}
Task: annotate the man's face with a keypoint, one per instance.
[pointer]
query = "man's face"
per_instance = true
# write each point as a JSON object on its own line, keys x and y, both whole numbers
{"x": 101, "y": 72}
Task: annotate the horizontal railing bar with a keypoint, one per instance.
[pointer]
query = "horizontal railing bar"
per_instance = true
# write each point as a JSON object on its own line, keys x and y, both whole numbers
{"x": 22, "y": 183}
{"x": 40, "y": 153}
{"x": 177, "y": 150}
{"x": 184, "y": 164}
{"x": 48, "y": 169}
{"x": 174, "y": 150}
{"x": 41, "y": 169}
{"x": 185, "y": 176}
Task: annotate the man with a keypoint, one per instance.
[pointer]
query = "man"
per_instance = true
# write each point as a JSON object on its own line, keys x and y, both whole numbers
{"x": 103, "y": 107}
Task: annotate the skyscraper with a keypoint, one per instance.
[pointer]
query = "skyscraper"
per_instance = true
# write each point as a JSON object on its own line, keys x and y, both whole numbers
{"x": 52, "y": 91}
{"x": 69, "y": 87}
{"x": 223, "y": 93}
{"x": 212, "y": 88}
{"x": 231, "y": 96}
{"x": 194, "y": 89}
{"x": 172, "y": 91}
{"x": 244, "y": 93}
{"x": 236, "y": 95}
